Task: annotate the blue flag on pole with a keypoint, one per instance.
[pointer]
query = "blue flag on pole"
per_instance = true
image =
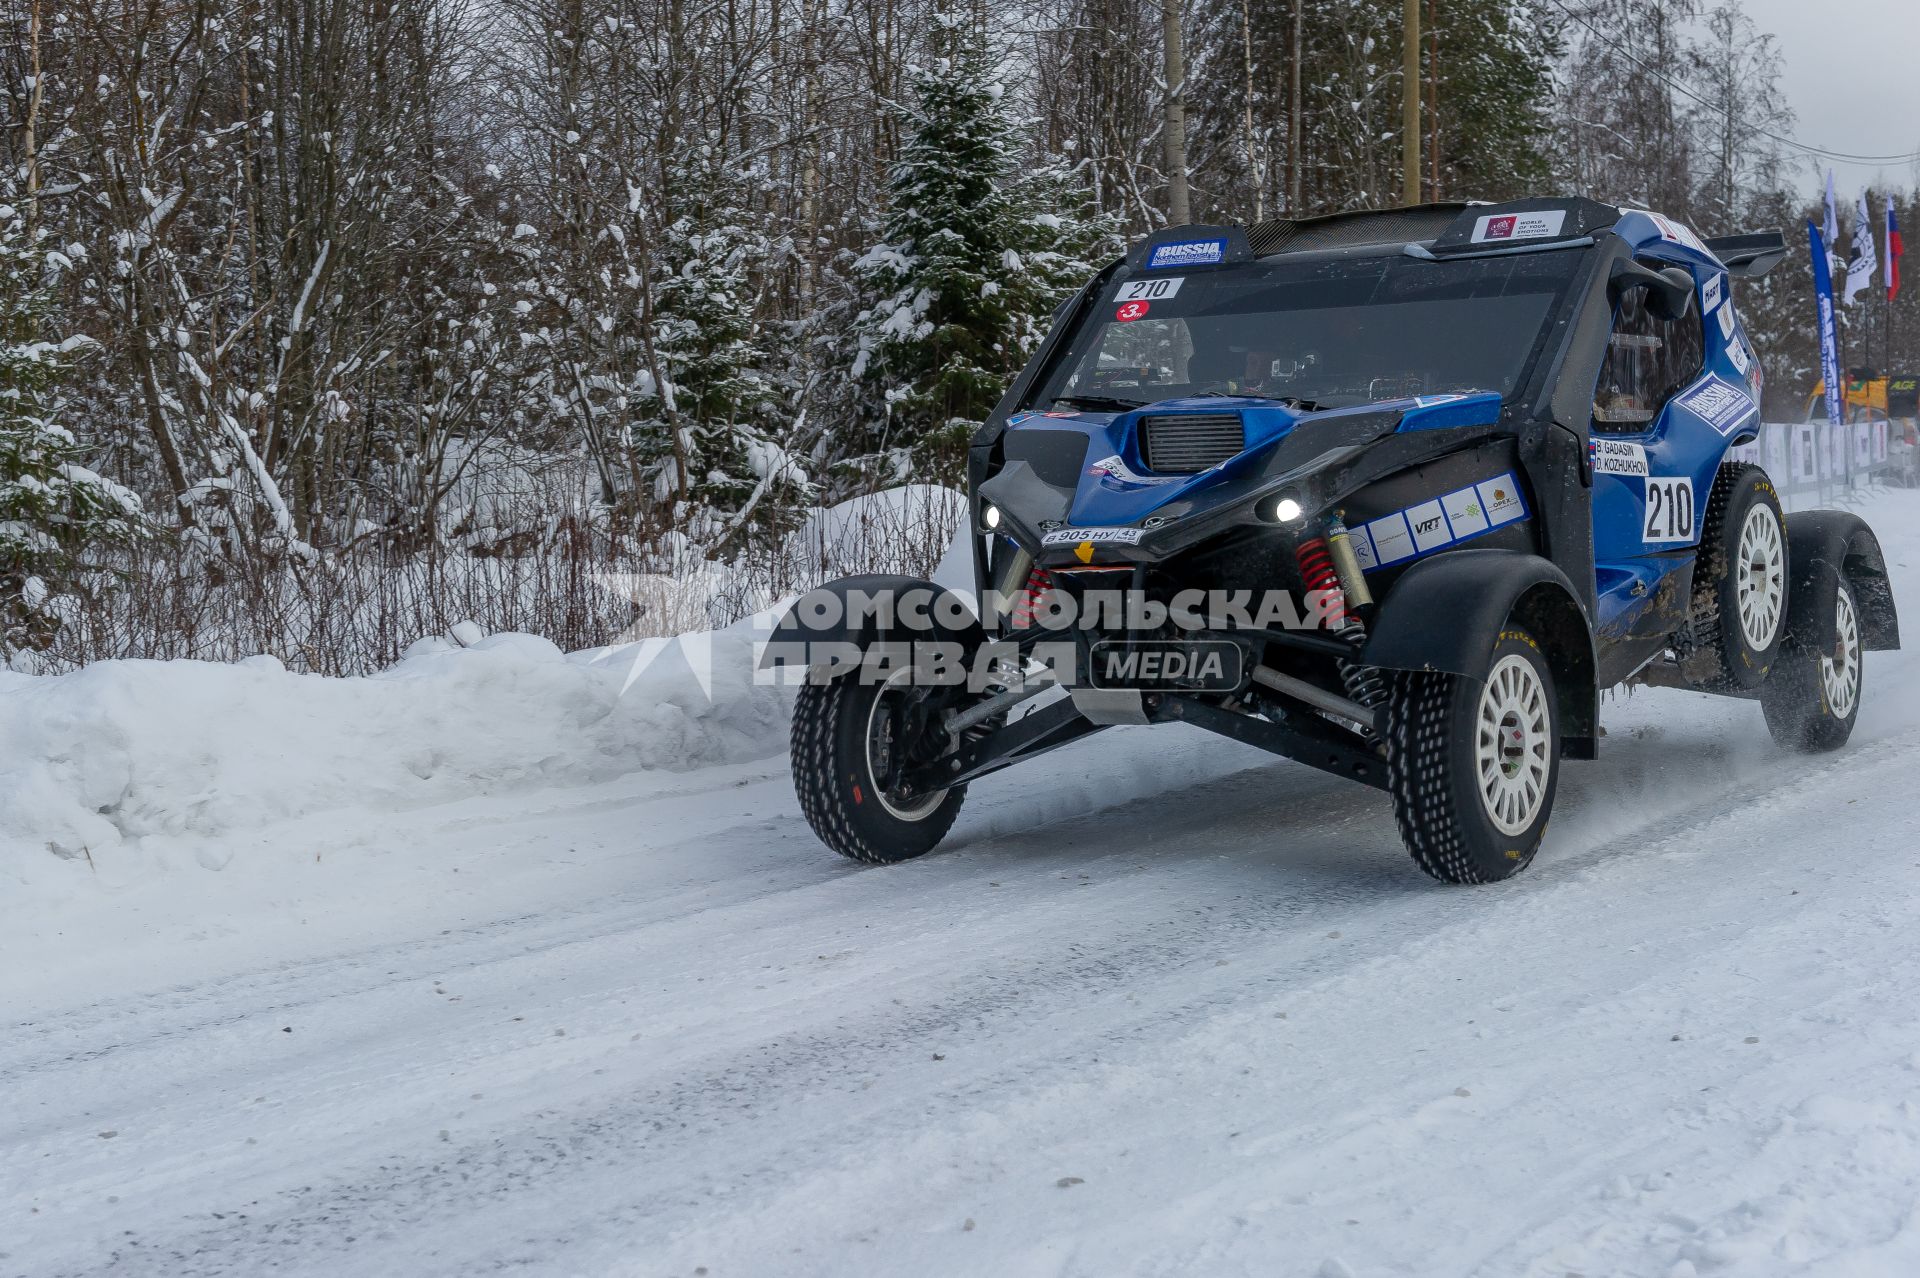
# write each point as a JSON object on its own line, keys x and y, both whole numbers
{"x": 1829, "y": 340}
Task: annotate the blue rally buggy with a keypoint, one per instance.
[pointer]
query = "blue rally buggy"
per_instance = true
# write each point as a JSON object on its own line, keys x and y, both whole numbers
{"x": 1495, "y": 435}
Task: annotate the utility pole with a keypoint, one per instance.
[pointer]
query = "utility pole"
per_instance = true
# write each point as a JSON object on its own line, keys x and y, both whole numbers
{"x": 1433, "y": 106}
{"x": 1293, "y": 118}
{"x": 1176, "y": 121}
{"x": 1410, "y": 98}
{"x": 1255, "y": 170}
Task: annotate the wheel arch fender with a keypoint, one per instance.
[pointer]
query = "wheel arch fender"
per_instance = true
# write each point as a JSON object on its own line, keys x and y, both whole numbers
{"x": 1822, "y": 546}
{"x": 1445, "y": 614}
{"x": 855, "y": 613}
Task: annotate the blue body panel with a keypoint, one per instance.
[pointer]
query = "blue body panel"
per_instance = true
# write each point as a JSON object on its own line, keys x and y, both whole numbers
{"x": 1688, "y": 440}
{"x": 1128, "y": 493}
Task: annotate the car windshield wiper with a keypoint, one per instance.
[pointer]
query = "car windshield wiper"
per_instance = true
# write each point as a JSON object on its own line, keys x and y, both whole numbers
{"x": 1291, "y": 401}
{"x": 1099, "y": 403}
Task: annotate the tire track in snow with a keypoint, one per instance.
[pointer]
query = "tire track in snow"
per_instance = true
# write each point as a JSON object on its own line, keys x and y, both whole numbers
{"x": 1080, "y": 971}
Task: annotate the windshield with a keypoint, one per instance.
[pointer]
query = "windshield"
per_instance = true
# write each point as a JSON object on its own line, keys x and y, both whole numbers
{"x": 1323, "y": 334}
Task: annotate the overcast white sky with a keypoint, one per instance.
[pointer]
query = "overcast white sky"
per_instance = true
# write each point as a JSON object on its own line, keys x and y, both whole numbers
{"x": 1853, "y": 75}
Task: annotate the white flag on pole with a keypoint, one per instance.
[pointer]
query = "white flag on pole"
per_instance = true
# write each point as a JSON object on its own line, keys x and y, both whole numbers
{"x": 1862, "y": 261}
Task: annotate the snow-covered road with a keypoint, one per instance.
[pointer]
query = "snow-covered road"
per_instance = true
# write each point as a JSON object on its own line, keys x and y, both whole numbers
{"x": 1162, "y": 1005}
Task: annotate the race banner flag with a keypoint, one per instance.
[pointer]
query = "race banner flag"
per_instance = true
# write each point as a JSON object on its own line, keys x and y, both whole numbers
{"x": 1861, "y": 263}
{"x": 1893, "y": 252}
{"x": 1829, "y": 340}
{"x": 1832, "y": 228}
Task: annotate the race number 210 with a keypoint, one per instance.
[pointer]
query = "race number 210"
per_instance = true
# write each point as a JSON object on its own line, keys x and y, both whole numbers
{"x": 1149, "y": 290}
{"x": 1669, "y": 509}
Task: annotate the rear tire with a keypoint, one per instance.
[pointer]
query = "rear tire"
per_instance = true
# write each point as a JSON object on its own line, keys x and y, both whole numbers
{"x": 1813, "y": 698}
{"x": 1739, "y": 609}
{"x": 840, "y": 747}
{"x": 1472, "y": 764}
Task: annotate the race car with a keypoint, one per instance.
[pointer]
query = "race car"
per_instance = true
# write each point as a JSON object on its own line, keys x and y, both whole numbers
{"x": 1393, "y": 494}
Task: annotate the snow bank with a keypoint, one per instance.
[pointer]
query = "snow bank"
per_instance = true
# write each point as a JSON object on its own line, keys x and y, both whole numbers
{"x": 104, "y": 757}
{"x": 101, "y": 759}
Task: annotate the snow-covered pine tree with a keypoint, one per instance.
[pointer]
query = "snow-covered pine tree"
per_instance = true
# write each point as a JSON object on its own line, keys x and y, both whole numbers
{"x": 713, "y": 355}
{"x": 977, "y": 251}
{"x": 52, "y": 510}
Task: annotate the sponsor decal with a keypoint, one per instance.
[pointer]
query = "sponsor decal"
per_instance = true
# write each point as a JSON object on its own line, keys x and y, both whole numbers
{"x": 1093, "y": 536}
{"x": 1726, "y": 320}
{"x": 1187, "y": 253}
{"x": 1669, "y": 509}
{"x": 1148, "y": 290}
{"x": 1115, "y": 468}
{"x": 1131, "y": 311}
{"x": 1438, "y": 522}
{"x": 1496, "y": 227}
{"x": 1719, "y": 403}
{"x": 1465, "y": 515}
{"x": 1710, "y": 292}
{"x": 1428, "y": 401}
{"x": 1618, "y": 457}
{"x": 1671, "y": 231}
{"x": 1429, "y": 524}
{"x": 1501, "y": 497}
{"x": 1737, "y": 353}
{"x": 1392, "y": 539}
{"x": 1362, "y": 543}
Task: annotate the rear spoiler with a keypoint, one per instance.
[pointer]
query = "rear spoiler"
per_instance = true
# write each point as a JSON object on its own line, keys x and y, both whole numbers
{"x": 1749, "y": 256}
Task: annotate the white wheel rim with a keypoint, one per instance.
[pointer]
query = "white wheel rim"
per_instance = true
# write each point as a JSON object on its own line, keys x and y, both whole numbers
{"x": 1760, "y": 575}
{"x": 1840, "y": 673}
{"x": 879, "y": 740}
{"x": 1513, "y": 737}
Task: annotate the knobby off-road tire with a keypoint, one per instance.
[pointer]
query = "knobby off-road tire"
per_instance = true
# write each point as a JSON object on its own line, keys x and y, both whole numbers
{"x": 1739, "y": 609}
{"x": 833, "y": 775}
{"x": 1472, "y": 765}
{"x": 1813, "y": 697}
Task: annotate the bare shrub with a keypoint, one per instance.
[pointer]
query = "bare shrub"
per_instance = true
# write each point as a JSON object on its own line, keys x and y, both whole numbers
{"x": 546, "y": 567}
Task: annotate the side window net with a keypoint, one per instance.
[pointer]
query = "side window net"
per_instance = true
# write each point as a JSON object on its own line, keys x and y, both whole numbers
{"x": 1649, "y": 360}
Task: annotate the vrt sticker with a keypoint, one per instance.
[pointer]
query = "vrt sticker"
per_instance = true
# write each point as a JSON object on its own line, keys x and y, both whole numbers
{"x": 1618, "y": 457}
{"x": 1148, "y": 290}
{"x": 1726, "y": 320}
{"x": 1737, "y": 352}
{"x": 1495, "y": 227}
{"x": 1669, "y": 509}
{"x": 1117, "y": 469}
{"x": 1098, "y": 536}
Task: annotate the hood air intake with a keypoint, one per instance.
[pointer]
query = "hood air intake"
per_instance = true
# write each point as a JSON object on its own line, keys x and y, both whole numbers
{"x": 1188, "y": 443}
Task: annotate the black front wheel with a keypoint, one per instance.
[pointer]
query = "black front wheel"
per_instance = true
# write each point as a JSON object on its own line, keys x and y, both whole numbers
{"x": 1813, "y": 697}
{"x": 1472, "y": 763}
{"x": 852, "y": 740}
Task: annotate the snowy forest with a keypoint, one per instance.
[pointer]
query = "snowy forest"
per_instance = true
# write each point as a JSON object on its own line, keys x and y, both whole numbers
{"x": 328, "y": 323}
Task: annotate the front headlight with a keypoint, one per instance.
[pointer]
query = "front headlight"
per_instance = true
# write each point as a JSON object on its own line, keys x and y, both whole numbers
{"x": 1285, "y": 509}
{"x": 990, "y": 517}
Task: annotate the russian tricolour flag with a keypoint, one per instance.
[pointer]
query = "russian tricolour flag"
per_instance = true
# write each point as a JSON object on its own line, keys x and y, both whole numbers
{"x": 1893, "y": 253}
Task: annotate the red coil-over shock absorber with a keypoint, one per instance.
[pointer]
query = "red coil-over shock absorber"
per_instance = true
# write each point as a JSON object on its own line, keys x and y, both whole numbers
{"x": 1033, "y": 599}
{"x": 1364, "y": 684}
